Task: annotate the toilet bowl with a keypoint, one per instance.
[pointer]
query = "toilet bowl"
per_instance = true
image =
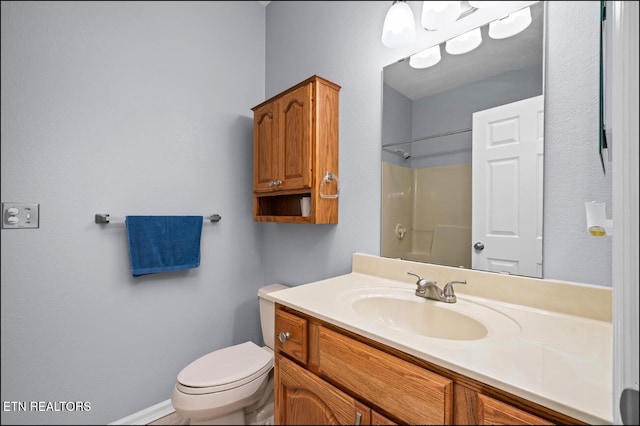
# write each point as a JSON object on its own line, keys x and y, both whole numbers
{"x": 233, "y": 385}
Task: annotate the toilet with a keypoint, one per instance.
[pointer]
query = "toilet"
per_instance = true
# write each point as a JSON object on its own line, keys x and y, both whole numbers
{"x": 233, "y": 385}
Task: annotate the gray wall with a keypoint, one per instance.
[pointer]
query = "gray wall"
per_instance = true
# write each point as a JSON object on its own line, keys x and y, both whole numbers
{"x": 396, "y": 124}
{"x": 124, "y": 108}
{"x": 144, "y": 108}
{"x": 573, "y": 173}
{"x": 453, "y": 110}
{"x": 341, "y": 41}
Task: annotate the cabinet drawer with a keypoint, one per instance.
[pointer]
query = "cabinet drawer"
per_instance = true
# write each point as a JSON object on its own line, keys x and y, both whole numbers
{"x": 291, "y": 335}
{"x": 406, "y": 391}
{"x": 494, "y": 412}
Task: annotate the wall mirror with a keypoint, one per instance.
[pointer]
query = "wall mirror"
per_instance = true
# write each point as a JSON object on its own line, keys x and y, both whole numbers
{"x": 462, "y": 154}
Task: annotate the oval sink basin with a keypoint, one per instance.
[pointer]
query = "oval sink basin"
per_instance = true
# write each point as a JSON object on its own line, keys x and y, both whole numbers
{"x": 401, "y": 310}
{"x": 427, "y": 319}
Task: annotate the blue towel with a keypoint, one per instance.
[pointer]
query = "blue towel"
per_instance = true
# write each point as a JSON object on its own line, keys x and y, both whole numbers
{"x": 163, "y": 243}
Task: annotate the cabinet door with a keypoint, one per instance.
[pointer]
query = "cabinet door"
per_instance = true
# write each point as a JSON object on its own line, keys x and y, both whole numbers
{"x": 303, "y": 398}
{"x": 295, "y": 138}
{"x": 494, "y": 412}
{"x": 265, "y": 148}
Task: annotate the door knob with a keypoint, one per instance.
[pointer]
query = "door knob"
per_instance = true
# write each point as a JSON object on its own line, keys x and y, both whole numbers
{"x": 478, "y": 246}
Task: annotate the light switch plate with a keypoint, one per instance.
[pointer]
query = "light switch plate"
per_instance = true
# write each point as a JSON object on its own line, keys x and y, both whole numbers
{"x": 20, "y": 215}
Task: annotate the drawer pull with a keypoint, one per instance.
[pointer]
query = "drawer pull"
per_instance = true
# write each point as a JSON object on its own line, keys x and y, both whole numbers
{"x": 358, "y": 418}
{"x": 283, "y": 336}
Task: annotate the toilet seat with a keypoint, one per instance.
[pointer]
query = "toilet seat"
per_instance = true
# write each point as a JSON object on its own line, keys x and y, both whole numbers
{"x": 225, "y": 369}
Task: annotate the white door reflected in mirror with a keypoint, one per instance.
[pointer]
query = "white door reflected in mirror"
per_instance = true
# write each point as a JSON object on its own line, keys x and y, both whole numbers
{"x": 508, "y": 150}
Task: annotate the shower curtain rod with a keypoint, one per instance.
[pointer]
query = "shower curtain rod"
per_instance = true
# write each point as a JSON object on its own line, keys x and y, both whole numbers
{"x": 439, "y": 135}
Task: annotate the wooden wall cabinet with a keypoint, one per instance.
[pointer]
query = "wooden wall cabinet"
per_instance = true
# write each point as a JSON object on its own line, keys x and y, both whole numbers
{"x": 295, "y": 154}
{"x": 328, "y": 375}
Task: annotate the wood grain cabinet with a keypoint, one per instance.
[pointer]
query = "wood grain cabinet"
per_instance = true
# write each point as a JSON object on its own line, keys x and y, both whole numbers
{"x": 304, "y": 398}
{"x": 295, "y": 154}
{"x": 291, "y": 336}
{"x": 494, "y": 412}
{"x": 407, "y": 392}
{"x": 327, "y": 375}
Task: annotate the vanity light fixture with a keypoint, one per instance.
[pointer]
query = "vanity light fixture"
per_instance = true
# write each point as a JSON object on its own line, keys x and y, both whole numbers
{"x": 464, "y": 43}
{"x": 511, "y": 24}
{"x": 426, "y": 58}
{"x": 399, "y": 25}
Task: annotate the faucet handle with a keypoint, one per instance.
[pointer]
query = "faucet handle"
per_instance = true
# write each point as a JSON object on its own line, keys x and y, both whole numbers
{"x": 449, "y": 294}
{"x": 421, "y": 281}
{"x": 414, "y": 274}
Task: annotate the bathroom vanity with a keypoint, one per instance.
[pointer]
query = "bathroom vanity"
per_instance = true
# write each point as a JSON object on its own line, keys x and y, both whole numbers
{"x": 361, "y": 348}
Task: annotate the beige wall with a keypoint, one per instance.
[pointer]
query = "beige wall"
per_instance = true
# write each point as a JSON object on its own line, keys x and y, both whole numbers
{"x": 435, "y": 205}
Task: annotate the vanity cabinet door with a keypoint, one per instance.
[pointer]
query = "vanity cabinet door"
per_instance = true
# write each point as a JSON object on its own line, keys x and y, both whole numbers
{"x": 303, "y": 398}
{"x": 494, "y": 412}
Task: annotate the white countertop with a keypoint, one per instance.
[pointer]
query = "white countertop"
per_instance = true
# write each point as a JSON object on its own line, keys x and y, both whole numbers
{"x": 561, "y": 361}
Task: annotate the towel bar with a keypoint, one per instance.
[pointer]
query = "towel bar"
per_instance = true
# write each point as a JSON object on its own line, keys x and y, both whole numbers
{"x": 103, "y": 219}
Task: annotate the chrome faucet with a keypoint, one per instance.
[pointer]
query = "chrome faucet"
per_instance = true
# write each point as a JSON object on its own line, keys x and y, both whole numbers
{"x": 427, "y": 289}
{"x": 430, "y": 290}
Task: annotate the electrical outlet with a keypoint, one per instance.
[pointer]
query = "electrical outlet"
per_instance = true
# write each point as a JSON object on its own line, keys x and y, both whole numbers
{"x": 20, "y": 215}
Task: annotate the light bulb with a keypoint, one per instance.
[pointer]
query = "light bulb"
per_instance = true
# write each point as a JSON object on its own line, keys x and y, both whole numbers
{"x": 438, "y": 14}
{"x": 427, "y": 58}
{"x": 464, "y": 43}
{"x": 399, "y": 25}
{"x": 511, "y": 25}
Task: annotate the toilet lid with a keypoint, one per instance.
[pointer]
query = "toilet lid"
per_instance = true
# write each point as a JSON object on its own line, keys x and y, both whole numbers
{"x": 234, "y": 365}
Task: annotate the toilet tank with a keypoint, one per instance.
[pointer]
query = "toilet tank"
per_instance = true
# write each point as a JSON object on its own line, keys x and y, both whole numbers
{"x": 267, "y": 312}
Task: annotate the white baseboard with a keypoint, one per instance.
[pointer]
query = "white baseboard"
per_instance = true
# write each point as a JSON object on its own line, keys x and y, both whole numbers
{"x": 148, "y": 415}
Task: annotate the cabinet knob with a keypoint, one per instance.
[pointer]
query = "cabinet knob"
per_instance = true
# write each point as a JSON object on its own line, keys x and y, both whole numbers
{"x": 283, "y": 336}
{"x": 358, "y": 419}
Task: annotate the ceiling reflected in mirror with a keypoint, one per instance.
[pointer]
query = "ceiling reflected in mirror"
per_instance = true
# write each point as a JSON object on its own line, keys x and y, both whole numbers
{"x": 490, "y": 58}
